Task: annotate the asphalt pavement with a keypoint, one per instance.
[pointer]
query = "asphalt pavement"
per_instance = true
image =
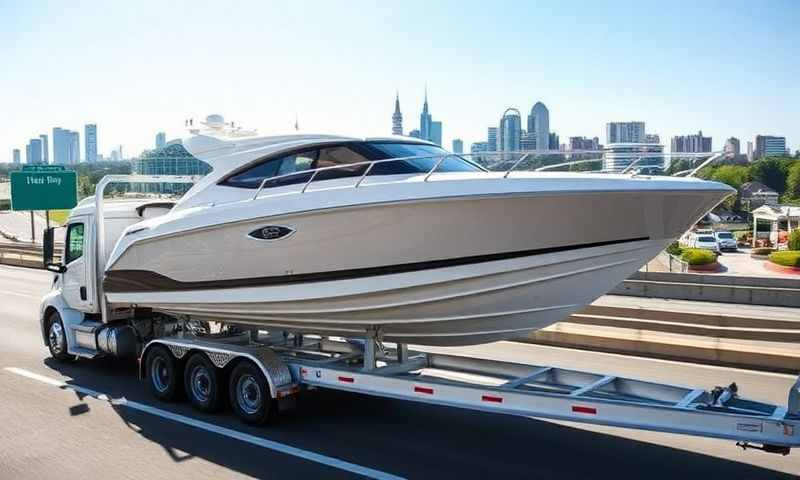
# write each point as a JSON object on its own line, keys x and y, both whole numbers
{"x": 52, "y": 426}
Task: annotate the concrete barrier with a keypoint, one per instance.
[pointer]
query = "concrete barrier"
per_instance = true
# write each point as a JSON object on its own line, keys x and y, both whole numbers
{"x": 781, "y": 292}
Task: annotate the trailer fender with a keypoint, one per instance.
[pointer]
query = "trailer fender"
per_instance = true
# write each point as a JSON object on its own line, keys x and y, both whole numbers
{"x": 274, "y": 369}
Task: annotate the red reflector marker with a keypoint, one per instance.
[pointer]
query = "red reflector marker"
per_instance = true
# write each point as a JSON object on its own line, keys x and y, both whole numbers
{"x": 589, "y": 410}
{"x": 347, "y": 379}
{"x": 426, "y": 390}
{"x": 492, "y": 398}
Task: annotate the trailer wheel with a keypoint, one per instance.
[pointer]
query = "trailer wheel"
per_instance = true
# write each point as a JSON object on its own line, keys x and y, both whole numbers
{"x": 203, "y": 383}
{"x": 163, "y": 373}
{"x": 57, "y": 339}
{"x": 249, "y": 394}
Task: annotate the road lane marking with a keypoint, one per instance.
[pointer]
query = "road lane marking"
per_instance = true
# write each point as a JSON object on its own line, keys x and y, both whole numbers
{"x": 209, "y": 427}
{"x": 6, "y": 292}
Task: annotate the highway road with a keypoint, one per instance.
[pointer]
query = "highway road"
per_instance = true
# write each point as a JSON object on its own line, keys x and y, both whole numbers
{"x": 51, "y": 426}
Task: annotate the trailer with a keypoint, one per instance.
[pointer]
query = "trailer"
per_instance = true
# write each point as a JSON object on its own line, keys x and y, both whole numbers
{"x": 260, "y": 373}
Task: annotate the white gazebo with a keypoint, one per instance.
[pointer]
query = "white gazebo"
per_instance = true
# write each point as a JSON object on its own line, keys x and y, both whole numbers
{"x": 781, "y": 217}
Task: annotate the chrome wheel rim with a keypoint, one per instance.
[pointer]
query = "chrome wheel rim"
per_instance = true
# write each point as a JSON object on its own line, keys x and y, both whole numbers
{"x": 248, "y": 394}
{"x": 200, "y": 383}
{"x": 159, "y": 373}
{"x": 56, "y": 338}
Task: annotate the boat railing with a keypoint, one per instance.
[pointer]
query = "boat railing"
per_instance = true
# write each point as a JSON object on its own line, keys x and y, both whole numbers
{"x": 509, "y": 162}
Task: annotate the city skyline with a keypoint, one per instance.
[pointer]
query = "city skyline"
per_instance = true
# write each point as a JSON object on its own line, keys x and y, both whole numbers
{"x": 572, "y": 47}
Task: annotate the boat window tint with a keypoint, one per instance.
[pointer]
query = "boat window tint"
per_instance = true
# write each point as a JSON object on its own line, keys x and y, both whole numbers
{"x": 353, "y": 158}
{"x": 74, "y": 243}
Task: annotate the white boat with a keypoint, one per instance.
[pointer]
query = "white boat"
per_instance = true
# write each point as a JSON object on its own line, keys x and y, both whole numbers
{"x": 340, "y": 236}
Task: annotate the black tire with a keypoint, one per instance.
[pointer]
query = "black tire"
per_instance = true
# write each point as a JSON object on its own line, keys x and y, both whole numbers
{"x": 163, "y": 373}
{"x": 249, "y": 394}
{"x": 57, "y": 339}
{"x": 203, "y": 383}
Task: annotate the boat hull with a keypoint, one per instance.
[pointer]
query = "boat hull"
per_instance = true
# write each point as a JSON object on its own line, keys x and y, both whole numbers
{"x": 465, "y": 270}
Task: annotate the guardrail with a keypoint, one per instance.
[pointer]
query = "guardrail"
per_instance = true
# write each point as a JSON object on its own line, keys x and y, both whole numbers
{"x": 26, "y": 255}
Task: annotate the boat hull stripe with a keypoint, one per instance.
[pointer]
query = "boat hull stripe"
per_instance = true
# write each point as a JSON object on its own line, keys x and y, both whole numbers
{"x": 119, "y": 281}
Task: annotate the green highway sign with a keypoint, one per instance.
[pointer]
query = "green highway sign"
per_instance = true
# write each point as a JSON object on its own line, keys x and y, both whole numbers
{"x": 43, "y": 190}
{"x": 43, "y": 168}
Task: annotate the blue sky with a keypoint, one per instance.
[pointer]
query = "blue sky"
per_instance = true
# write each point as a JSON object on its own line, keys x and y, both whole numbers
{"x": 727, "y": 68}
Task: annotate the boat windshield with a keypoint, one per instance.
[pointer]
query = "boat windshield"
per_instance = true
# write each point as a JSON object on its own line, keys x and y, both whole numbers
{"x": 349, "y": 153}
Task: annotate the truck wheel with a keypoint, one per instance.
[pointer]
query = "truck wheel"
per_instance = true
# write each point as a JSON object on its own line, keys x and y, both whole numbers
{"x": 163, "y": 373}
{"x": 249, "y": 394}
{"x": 57, "y": 339}
{"x": 203, "y": 383}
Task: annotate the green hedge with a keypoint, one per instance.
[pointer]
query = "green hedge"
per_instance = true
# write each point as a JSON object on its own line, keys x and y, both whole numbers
{"x": 675, "y": 249}
{"x": 698, "y": 256}
{"x": 787, "y": 258}
{"x": 794, "y": 239}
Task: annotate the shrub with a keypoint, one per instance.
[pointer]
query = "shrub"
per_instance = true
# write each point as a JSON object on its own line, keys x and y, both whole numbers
{"x": 762, "y": 251}
{"x": 698, "y": 256}
{"x": 794, "y": 239}
{"x": 675, "y": 249}
{"x": 787, "y": 258}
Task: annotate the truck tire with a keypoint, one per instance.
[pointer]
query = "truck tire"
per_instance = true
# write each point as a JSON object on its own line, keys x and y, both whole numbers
{"x": 163, "y": 373}
{"x": 203, "y": 383}
{"x": 57, "y": 339}
{"x": 249, "y": 394}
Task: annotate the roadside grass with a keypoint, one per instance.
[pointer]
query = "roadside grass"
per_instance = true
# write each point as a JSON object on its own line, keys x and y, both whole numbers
{"x": 59, "y": 216}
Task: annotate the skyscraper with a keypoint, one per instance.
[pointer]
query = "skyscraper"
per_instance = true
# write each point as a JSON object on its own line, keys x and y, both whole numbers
{"x": 428, "y": 129}
{"x": 62, "y": 141}
{"x": 583, "y": 143}
{"x": 397, "y": 117}
{"x": 651, "y": 138}
{"x": 458, "y": 145}
{"x": 425, "y": 119}
{"x": 45, "y": 149}
{"x": 16, "y": 156}
{"x": 539, "y": 126}
{"x": 491, "y": 139}
{"x": 74, "y": 147}
{"x": 161, "y": 139}
{"x": 509, "y": 132}
{"x": 435, "y": 133}
{"x": 769, "y": 146}
{"x": 90, "y": 139}
{"x": 552, "y": 141}
{"x": 414, "y": 133}
{"x": 34, "y": 151}
{"x": 691, "y": 143}
{"x": 625, "y": 132}
{"x": 732, "y": 147}
{"x": 750, "y": 151}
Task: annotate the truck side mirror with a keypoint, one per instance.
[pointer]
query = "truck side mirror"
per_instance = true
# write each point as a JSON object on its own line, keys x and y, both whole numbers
{"x": 47, "y": 247}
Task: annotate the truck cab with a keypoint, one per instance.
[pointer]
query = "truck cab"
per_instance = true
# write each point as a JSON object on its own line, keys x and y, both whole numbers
{"x": 71, "y": 314}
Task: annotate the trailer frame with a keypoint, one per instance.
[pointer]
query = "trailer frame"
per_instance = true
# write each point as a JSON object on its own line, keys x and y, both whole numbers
{"x": 541, "y": 391}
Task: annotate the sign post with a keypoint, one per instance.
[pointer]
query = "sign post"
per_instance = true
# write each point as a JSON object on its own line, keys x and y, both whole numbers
{"x": 43, "y": 187}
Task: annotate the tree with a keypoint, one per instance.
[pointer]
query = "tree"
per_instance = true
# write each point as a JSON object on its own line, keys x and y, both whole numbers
{"x": 732, "y": 175}
{"x": 793, "y": 182}
{"x": 771, "y": 172}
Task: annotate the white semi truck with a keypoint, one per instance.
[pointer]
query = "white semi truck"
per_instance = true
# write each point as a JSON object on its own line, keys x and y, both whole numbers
{"x": 258, "y": 373}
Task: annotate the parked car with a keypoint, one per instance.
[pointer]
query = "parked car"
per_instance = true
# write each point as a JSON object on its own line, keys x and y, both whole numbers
{"x": 726, "y": 240}
{"x": 707, "y": 241}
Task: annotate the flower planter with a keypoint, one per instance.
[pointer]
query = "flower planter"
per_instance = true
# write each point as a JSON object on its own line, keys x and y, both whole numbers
{"x": 781, "y": 268}
{"x": 707, "y": 268}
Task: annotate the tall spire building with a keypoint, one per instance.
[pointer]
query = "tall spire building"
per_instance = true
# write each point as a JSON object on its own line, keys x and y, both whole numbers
{"x": 428, "y": 129}
{"x": 397, "y": 117}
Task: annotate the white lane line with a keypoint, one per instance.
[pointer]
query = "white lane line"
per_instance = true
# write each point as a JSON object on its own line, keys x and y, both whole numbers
{"x": 227, "y": 432}
{"x": 6, "y": 292}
